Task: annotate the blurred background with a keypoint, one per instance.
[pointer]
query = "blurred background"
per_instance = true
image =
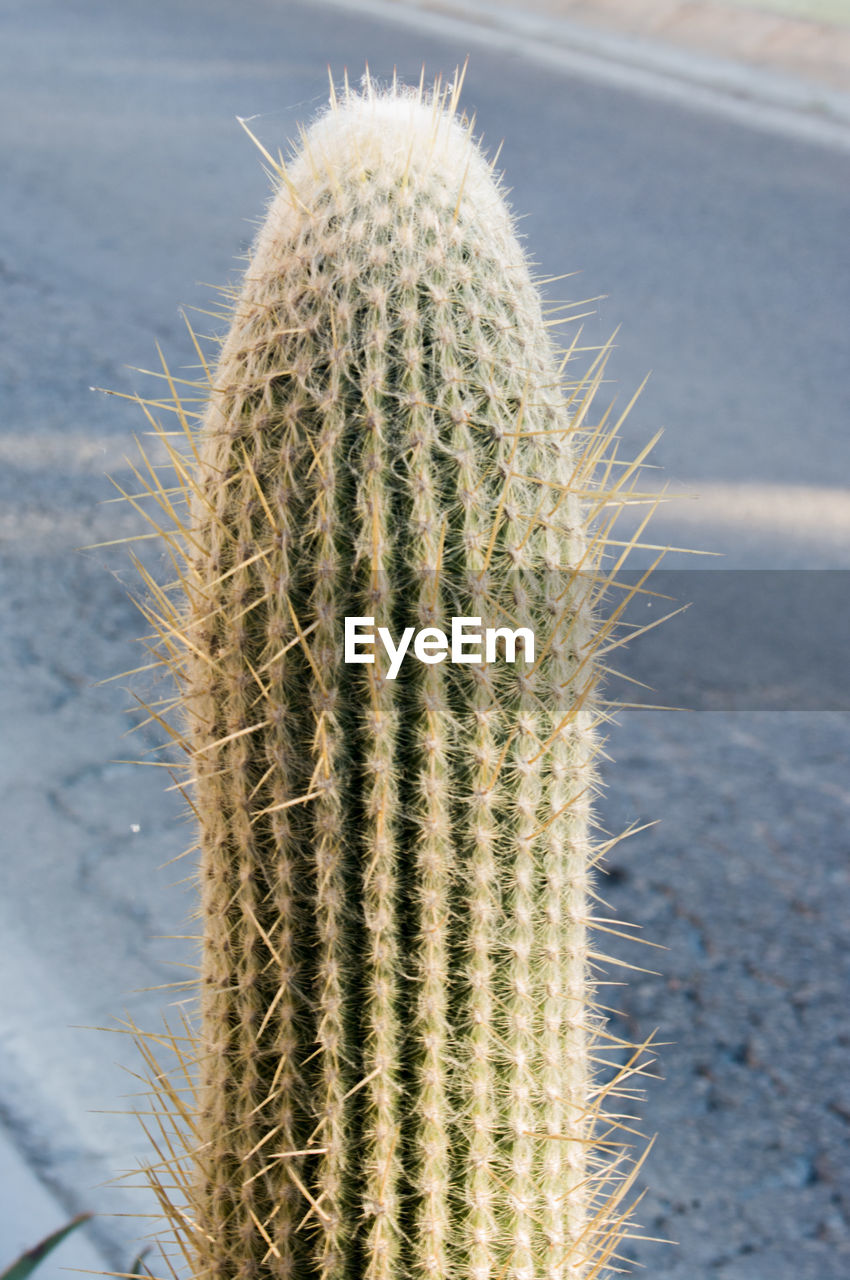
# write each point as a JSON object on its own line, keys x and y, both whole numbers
{"x": 688, "y": 161}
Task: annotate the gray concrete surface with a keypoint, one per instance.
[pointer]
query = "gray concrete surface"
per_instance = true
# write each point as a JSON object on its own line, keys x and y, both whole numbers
{"x": 29, "y": 1213}
{"x": 723, "y": 251}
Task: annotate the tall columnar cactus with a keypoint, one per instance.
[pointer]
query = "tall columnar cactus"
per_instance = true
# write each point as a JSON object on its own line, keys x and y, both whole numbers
{"x": 397, "y": 1018}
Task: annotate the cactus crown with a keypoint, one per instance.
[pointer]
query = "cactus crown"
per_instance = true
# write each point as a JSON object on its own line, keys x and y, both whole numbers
{"x": 397, "y": 1011}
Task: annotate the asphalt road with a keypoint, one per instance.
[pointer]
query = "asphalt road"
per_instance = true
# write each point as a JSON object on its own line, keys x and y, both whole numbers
{"x": 723, "y": 253}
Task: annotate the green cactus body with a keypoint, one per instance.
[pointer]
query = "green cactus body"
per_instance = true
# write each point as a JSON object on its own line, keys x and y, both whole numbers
{"x": 397, "y": 1011}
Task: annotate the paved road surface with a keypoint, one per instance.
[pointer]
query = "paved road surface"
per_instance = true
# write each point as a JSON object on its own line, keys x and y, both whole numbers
{"x": 723, "y": 250}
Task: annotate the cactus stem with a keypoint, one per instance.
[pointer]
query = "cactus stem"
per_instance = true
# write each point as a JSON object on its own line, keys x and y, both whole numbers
{"x": 399, "y": 1064}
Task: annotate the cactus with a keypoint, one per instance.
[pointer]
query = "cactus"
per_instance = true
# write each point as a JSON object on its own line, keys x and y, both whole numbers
{"x": 398, "y": 1018}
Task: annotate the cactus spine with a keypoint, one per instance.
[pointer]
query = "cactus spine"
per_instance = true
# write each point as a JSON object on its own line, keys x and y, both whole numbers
{"x": 397, "y": 1011}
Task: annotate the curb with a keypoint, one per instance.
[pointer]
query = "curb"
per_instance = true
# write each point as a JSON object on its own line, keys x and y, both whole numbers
{"x": 765, "y": 99}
